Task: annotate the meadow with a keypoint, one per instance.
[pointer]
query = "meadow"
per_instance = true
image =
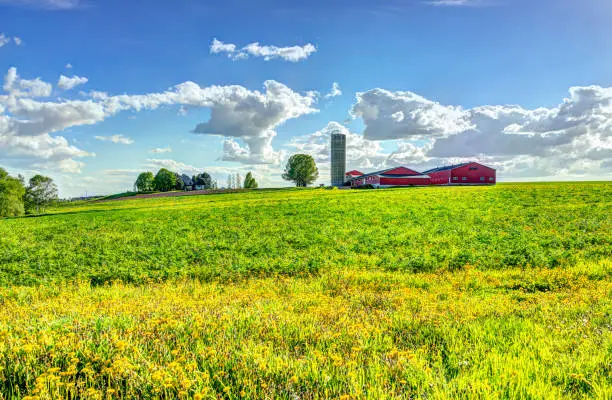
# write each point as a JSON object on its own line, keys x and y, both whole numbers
{"x": 466, "y": 292}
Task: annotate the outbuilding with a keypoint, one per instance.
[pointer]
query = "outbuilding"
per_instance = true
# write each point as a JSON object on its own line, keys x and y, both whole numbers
{"x": 468, "y": 173}
{"x": 396, "y": 176}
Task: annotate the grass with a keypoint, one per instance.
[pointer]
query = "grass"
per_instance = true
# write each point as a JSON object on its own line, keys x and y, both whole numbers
{"x": 468, "y": 292}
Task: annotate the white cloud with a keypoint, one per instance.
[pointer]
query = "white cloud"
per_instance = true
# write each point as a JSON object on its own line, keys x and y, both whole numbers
{"x": 44, "y": 4}
{"x": 68, "y": 66}
{"x": 399, "y": 115}
{"x": 360, "y": 152}
{"x": 172, "y": 165}
{"x": 115, "y": 139}
{"x": 182, "y": 111}
{"x": 335, "y": 91}
{"x": 252, "y": 116}
{"x": 42, "y": 152}
{"x": 17, "y": 87}
{"x": 67, "y": 83}
{"x": 218, "y": 46}
{"x": 4, "y": 40}
{"x": 160, "y": 150}
{"x": 290, "y": 53}
{"x": 248, "y": 116}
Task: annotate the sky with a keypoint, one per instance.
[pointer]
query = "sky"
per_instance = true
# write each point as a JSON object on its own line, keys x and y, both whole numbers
{"x": 94, "y": 92}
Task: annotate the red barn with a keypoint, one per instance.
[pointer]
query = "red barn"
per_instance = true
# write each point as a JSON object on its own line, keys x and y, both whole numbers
{"x": 469, "y": 173}
{"x": 352, "y": 174}
{"x": 397, "y": 176}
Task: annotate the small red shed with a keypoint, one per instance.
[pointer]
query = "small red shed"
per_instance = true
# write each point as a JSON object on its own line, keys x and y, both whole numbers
{"x": 352, "y": 174}
{"x": 469, "y": 173}
{"x": 397, "y": 176}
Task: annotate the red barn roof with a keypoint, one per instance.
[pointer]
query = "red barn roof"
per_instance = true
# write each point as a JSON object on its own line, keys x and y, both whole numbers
{"x": 451, "y": 167}
{"x": 393, "y": 172}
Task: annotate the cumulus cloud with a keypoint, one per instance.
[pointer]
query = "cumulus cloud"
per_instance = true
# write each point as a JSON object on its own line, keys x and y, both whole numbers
{"x": 160, "y": 150}
{"x": 290, "y": 53}
{"x": 571, "y": 139}
{"x": 252, "y": 116}
{"x": 115, "y": 139}
{"x": 360, "y": 152}
{"x": 399, "y": 115}
{"x": 67, "y": 83}
{"x": 172, "y": 165}
{"x": 17, "y": 87}
{"x": 218, "y": 46}
{"x": 335, "y": 91}
{"x": 68, "y": 66}
{"x": 17, "y": 40}
{"x": 245, "y": 116}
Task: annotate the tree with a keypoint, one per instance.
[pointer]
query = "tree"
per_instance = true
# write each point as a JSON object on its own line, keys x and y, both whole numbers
{"x": 249, "y": 182}
{"x": 144, "y": 182}
{"x": 178, "y": 182}
{"x": 164, "y": 180}
{"x": 12, "y": 192}
{"x": 301, "y": 169}
{"x": 40, "y": 192}
{"x": 203, "y": 180}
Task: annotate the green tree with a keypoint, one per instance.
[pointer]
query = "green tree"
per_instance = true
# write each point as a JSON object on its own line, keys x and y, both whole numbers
{"x": 12, "y": 192}
{"x": 178, "y": 182}
{"x": 301, "y": 169}
{"x": 249, "y": 182}
{"x": 40, "y": 193}
{"x": 144, "y": 182}
{"x": 203, "y": 180}
{"x": 164, "y": 180}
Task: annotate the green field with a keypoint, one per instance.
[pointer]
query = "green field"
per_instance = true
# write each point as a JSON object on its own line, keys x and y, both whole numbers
{"x": 464, "y": 292}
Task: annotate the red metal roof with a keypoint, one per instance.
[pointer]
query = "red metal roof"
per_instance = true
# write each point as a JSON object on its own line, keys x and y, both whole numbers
{"x": 354, "y": 172}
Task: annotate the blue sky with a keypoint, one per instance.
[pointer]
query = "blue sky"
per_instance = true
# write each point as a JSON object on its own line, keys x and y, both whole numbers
{"x": 427, "y": 69}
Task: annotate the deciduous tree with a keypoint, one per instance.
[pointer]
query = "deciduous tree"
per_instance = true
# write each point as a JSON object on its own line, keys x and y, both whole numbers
{"x": 12, "y": 192}
{"x": 249, "y": 182}
{"x": 204, "y": 180}
{"x": 164, "y": 180}
{"x": 40, "y": 193}
{"x": 144, "y": 182}
{"x": 301, "y": 169}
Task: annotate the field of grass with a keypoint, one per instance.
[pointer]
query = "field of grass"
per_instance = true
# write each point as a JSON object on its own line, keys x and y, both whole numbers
{"x": 466, "y": 292}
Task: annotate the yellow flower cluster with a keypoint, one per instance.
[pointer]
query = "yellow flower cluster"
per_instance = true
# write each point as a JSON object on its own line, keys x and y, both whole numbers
{"x": 467, "y": 334}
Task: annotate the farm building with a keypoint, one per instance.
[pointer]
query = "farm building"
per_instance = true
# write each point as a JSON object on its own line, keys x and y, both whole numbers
{"x": 352, "y": 174}
{"x": 469, "y": 173}
{"x": 396, "y": 176}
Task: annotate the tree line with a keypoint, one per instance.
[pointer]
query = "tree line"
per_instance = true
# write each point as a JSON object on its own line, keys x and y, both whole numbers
{"x": 17, "y": 198}
{"x": 165, "y": 180}
{"x": 300, "y": 169}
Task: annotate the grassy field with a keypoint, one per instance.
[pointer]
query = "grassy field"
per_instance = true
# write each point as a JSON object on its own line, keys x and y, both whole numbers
{"x": 466, "y": 292}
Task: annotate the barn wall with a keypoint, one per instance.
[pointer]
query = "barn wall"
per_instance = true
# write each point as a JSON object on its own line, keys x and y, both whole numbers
{"x": 440, "y": 177}
{"x": 404, "y": 181}
{"x": 468, "y": 175}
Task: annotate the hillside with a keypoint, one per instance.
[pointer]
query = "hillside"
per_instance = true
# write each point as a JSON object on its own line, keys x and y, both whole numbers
{"x": 465, "y": 292}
